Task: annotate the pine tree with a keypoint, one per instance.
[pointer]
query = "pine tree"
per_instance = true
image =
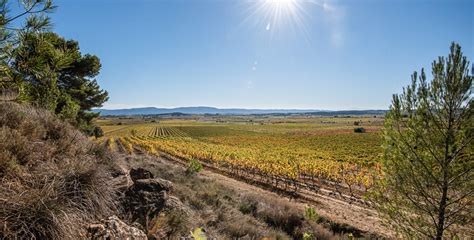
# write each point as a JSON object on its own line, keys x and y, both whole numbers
{"x": 56, "y": 76}
{"x": 428, "y": 182}
{"x": 28, "y": 17}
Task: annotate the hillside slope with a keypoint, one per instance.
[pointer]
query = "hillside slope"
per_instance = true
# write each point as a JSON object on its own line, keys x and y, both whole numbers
{"x": 53, "y": 179}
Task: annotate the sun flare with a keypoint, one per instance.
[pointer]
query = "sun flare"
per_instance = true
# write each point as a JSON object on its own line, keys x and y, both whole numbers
{"x": 282, "y": 6}
{"x": 279, "y": 2}
{"x": 275, "y": 14}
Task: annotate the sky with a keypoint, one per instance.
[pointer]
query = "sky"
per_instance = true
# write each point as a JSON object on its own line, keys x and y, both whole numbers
{"x": 304, "y": 54}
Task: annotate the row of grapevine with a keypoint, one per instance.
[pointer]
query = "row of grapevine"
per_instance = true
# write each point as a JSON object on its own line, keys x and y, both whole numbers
{"x": 165, "y": 132}
{"x": 272, "y": 166}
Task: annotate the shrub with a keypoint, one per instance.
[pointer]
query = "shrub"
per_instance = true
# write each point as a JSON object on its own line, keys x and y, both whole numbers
{"x": 98, "y": 132}
{"x": 284, "y": 219}
{"x": 240, "y": 228}
{"x": 311, "y": 214}
{"x": 194, "y": 166}
{"x": 169, "y": 225}
{"x": 199, "y": 234}
{"x": 308, "y": 236}
{"x": 359, "y": 130}
{"x": 248, "y": 208}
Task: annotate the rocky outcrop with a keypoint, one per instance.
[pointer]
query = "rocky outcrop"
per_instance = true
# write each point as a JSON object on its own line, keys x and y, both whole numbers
{"x": 174, "y": 203}
{"x": 113, "y": 228}
{"x": 152, "y": 185}
{"x": 148, "y": 196}
{"x": 144, "y": 199}
{"x": 121, "y": 179}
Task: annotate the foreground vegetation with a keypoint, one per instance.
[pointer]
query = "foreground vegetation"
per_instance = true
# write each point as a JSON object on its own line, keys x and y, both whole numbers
{"x": 53, "y": 180}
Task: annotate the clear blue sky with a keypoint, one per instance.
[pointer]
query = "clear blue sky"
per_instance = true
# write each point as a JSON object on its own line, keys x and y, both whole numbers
{"x": 237, "y": 53}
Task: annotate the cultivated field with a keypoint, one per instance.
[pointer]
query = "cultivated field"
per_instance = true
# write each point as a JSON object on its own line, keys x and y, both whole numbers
{"x": 287, "y": 153}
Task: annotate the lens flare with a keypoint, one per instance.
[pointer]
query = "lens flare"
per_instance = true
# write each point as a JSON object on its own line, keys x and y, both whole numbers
{"x": 272, "y": 15}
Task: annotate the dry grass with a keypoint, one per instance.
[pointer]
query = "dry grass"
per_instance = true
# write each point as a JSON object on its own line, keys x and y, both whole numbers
{"x": 169, "y": 225}
{"x": 226, "y": 213}
{"x": 53, "y": 180}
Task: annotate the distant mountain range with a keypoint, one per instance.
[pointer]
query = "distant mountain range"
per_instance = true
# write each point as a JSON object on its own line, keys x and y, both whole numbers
{"x": 227, "y": 111}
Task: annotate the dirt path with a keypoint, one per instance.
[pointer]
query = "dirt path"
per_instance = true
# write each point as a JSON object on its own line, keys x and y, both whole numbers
{"x": 336, "y": 210}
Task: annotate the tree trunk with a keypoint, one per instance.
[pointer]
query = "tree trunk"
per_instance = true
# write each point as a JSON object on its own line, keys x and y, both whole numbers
{"x": 444, "y": 196}
{"x": 441, "y": 211}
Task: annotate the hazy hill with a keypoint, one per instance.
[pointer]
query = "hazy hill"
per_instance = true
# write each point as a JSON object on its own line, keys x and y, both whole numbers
{"x": 227, "y": 111}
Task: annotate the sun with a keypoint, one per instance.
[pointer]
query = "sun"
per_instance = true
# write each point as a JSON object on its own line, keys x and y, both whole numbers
{"x": 281, "y": 2}
{"x": 281, "y": 6}
{"x": 275, "y": 15}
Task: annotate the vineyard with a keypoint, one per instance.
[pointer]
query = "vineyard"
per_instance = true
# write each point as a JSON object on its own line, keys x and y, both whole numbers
{"x": 287, "y": 155}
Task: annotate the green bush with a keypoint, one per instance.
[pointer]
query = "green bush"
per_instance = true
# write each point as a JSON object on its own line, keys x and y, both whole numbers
{"x": 308, "y": 236}
{"x": 199, "y": 234}
{"x": 194, "y": 166}
{"x": 98, "y": 132}
{"x": 311, "y": 214}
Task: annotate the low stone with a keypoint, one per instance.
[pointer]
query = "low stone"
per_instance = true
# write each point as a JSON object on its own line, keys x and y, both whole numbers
{"x": 144, "y": 205}
{"x": 152, "y": 185}
{"x": 173, "y": 203}
{"x": 140, "y": 173}
{"x": 113, "y": 228}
